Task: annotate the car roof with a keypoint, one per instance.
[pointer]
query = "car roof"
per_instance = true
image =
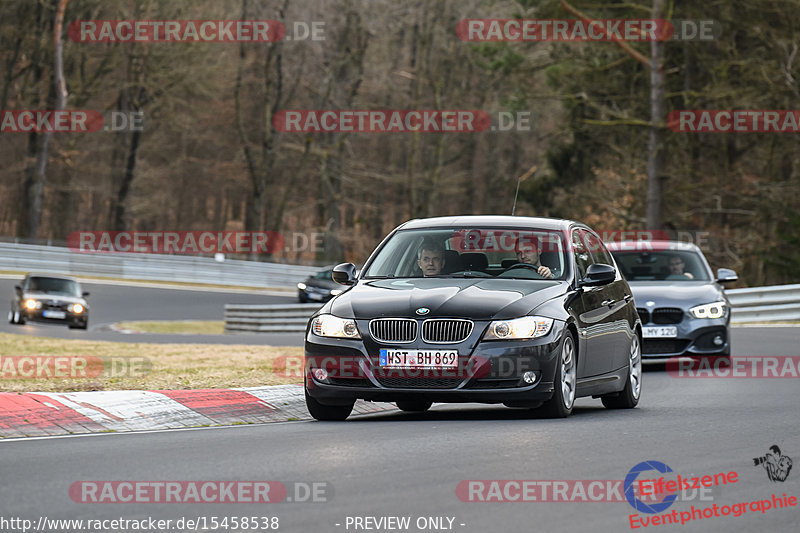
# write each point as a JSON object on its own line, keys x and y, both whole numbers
{"x": 654, "y": 245}
{"x": 489, "y": 220}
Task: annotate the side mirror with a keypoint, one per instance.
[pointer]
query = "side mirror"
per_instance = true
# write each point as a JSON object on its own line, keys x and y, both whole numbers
{"x": 344, "y": 274}
{"x": 726, "y": 275}
{"x": 599, "y": 274}
{"x": 18, "y": 289}
{"x": 85, "y": 294}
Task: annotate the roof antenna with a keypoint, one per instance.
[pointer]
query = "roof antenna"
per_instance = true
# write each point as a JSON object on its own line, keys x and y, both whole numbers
{"x": 522, "y": 178}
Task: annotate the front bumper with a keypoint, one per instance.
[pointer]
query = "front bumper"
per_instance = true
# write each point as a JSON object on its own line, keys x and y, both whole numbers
{"x": 487, "y": 372}
{"x": 695, "y": 337}
{"x": 37, "y": 315}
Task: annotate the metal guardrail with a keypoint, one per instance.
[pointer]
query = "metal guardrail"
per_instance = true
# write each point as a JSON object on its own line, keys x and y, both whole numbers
{"x": 152, "y": 267}
{"x": 759, "y": 304}
{"x": 252, "y": 318}
{"x": 776, "y": 303}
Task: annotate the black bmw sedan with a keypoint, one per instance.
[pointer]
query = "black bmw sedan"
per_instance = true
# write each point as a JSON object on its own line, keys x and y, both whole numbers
{"x": 50, "y": 299}
{"x": 528, "y": 312}
{"x": 318, "y": 288}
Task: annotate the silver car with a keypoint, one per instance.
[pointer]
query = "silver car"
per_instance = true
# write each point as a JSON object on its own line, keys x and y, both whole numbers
{"x": 681, "y": 303}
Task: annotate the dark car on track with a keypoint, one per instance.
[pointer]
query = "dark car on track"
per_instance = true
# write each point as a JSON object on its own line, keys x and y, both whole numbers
{"x": 681, "y": 303}
{"x": 482, "y": 326}
{"x": 319, "y": 287}
{"x": 50, "y": 299}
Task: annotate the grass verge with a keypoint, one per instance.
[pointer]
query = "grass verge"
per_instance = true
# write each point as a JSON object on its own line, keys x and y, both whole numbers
{"x": 100, "y": 365}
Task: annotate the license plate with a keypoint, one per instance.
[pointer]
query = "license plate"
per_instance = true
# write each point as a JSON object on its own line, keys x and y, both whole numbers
{"x": 54, "y": 314}
{"x": 314, "y": 296}
{"x": 418, "y": 358}
{"x": 660, "y": 332}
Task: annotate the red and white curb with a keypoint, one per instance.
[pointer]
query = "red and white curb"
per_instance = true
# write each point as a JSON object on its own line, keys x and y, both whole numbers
{"x": 34, "y": 414}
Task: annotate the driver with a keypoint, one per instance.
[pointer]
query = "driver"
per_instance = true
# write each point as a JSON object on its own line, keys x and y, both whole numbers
{"x": 528, "y": 253}
{"x": 677, "y": 266}
{"x": 431, "y": 258}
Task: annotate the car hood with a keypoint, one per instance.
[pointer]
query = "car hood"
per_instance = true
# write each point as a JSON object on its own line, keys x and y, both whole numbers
{"x": 683, "y": 294}
{"x": 59, "y": 297}
{"x": 480, "y": 299}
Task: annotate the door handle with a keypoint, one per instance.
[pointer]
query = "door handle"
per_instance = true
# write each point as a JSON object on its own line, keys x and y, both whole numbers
{"x": 608, "y": 302}
{"x": 628, "y": 297}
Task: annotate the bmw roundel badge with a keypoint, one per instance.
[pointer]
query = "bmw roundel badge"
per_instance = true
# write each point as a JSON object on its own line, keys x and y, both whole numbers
{"x": 423, "y": 311}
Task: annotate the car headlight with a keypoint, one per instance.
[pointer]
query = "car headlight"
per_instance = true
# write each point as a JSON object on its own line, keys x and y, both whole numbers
{"x": 301, "y": 286}
{"x": 333, "y": 326}
{"x": 336, "y": 292}
{"x": 77, "y": 309}
{"x": 527, "y": 327}
{"x": 32, "y": 304}
{"x": 712, "y": 310}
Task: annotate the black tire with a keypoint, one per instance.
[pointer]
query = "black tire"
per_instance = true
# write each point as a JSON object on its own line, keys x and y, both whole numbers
{"x": 324, "y": 412}
{"x": 414, "y": 406}
{"x": 20, "y": 319}
{"x": 557, "y": 407}
{"x": 628, "y": 398}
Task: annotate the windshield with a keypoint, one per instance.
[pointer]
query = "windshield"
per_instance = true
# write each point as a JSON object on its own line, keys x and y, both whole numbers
{"x": 65, "y": 287}
{"x": 471, "y": 252}
{"x": 670, "y": 265}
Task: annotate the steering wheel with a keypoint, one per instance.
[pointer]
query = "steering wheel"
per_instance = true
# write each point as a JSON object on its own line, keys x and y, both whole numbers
{"x": 526, "y": 265}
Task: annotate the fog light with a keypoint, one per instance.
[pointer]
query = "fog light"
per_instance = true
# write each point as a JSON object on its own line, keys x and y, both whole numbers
{"x": 718, "y": 340}
{"x": 529, "y": 377}
{"x": 320, "y": 374}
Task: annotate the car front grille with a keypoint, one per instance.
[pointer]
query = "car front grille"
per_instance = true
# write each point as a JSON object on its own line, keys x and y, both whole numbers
{"x": 663, "y": 346}
{"x": 393, "y": 329}
{"x": 446, "y": 330}
{"x": 667, "y": 315}
{"x": 54, "y": 305}
{"x": 495, "y": 384}
{"x": 662, "y": 315}
{"x": 350, "y": 382}
{"x": 420, "y": 383}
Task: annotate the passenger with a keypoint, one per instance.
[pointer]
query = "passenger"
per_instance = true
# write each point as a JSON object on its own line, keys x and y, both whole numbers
{"x": 430, "y": 258}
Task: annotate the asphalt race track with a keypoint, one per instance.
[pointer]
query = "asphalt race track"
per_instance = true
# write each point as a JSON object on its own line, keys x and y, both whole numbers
{"x": 115, "y": 303}
{"x": 396, "y": 464}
